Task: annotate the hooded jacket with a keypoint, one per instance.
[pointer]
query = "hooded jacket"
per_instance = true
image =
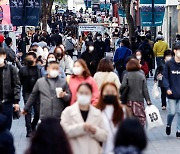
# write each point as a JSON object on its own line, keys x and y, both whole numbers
{"x": 6, "y": 138}
{"x": 171, "y": 78}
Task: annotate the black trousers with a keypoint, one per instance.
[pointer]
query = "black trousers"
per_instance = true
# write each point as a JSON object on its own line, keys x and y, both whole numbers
{"x": 31, "y": 125}
{"x": 163, "y": 96}
{"x": 8, "y": 112}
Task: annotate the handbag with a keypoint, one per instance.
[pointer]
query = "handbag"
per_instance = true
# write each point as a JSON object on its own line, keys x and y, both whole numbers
{"x": 153, "y": 117}
{"x": 155, "y": 91}
{"x": 124, "y": 92}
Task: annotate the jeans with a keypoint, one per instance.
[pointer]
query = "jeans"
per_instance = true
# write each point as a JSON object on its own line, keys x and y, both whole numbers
{"x": 163, "y": 96}
{"x": 159, "y": 61}
{"x": 8, "y": 112}
{"x": 174, "y": 107}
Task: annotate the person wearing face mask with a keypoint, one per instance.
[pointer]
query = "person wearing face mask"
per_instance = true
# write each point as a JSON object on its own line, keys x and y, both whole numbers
{"x": 99, "y": 46}
{"x": 28, "y": 75}
{"x": 159, "y": 76}
{"x": 81, "y": 74}
{"x": 171, "y": 82}
{"x": 142, "y": 62}
{"x": 52, "y": 57}
{"x": 53, "y": 91}
{"x": 137, "y": 90}
{"x": 107, "y": 42}
{"x": 113, "y": 113}
{"x": 90, "y": 56}
{"x": 83, "y": 123}
{"x": 10, "y": 88}
{"x": 65, "y": 61}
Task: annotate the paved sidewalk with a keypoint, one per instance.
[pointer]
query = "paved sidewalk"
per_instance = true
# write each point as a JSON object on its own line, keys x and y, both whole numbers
{"x": 158, "y": 142}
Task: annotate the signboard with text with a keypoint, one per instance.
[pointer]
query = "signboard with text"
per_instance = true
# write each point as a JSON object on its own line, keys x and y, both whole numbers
{"x": 5, "y": 21}
{"x": 25, "y": 12}
{"x": 152, "y": 17}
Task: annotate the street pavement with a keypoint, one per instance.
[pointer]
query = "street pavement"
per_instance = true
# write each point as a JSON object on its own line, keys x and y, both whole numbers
{"x": 158, "y": 141}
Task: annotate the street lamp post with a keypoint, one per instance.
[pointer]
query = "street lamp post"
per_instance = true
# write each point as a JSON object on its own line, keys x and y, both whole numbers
{"x": 24, "y": 31}
{"x": 105, "y": 6}
{"x": 153, "y": 20}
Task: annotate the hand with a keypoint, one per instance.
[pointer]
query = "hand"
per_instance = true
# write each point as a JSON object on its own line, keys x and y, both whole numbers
{"x": 86, "y": 127}
{"x": 92, "y": 130}
{"x": 149, "y": 103}
{"x": 16, "y": 107}
{"x": 89, "y": 128}
{"x": 23, "y": 112}
{"x": 169, "y": 92}
{"x": 19, "y": 54}
{"x": 62, "y": 94}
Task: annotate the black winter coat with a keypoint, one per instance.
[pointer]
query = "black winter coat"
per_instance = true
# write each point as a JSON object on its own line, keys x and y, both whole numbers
{"x": 11, "y": 84}
{"x": 91, "y": 60}
{"x": 25, "y": 78}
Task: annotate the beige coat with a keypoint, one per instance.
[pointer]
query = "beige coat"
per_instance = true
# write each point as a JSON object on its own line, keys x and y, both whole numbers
{"x": 103, "y": 77}
{"x": 82, "y": 142}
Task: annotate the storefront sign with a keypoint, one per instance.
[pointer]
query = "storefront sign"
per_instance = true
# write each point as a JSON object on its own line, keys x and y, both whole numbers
{"x": 152, "y": 17}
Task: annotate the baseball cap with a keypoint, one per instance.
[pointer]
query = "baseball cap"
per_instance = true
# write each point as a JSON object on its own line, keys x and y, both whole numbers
{"x": 1, "y": 38}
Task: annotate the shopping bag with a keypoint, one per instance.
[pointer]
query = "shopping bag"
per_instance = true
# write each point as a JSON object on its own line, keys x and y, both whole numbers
{"x": 153, "y": 117}
{"x": 155, "y": 91}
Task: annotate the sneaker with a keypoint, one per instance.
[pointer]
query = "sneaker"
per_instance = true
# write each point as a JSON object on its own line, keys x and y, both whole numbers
{"x": 178, "y": 134}
{"x": 163, "y": 108}
{"x": 168, "y": 130}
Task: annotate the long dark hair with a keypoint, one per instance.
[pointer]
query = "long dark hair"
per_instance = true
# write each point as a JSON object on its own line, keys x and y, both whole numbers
{"x": 118, "y": 111}
{"x": 49, "y": 139}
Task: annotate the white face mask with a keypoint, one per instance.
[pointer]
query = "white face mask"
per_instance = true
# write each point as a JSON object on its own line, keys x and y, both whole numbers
{"x": 168, "y": 58}
{"x": 53, "y": 73}
{"x": 98, "y": 38}
{"x": 91, "y": 48}
{"x": 138, "y": 57}
{"x": 1, "y": 61}
{"x": 83, "y": 99}
{"x": 77, "y": 70}
{"x": 51, "y": 59}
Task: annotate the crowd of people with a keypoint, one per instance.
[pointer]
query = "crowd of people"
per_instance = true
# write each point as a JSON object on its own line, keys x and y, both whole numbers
{"x": 91, "y": 105}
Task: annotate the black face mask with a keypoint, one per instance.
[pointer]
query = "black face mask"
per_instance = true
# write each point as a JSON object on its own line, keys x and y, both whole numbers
{"x": 59, "y": 55}
{"x": 110, "y": 99}
{"x": 29, "y": 62}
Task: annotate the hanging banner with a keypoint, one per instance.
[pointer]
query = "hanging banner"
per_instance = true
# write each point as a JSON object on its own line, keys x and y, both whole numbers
{"x": 87, "y": 3}
{"x": 5, "y": 22}
{"x": 121, "y": 12}
{"x": 150, "y": 17}
{"x": 104, "y": 6}
{"x": 25, "y": 12}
